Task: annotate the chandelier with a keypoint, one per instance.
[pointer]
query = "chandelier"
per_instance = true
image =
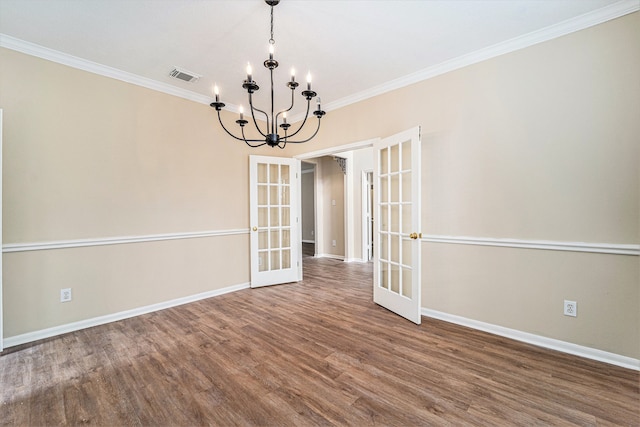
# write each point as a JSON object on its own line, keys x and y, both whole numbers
{"x": 274, "y": 121}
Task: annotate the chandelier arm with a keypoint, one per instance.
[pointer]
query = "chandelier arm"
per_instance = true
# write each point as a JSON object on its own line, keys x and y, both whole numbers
{"x": 246, "y": 141}
{"x": 253, "y": 116}
{"x": 306, "y": 116}
{"x": 288, "y": 109}
{"x": 238, "y": 138}
{"x": 308, "y": 139}
{"x": 226, "y": 130}
{"x": 284, "y": 140}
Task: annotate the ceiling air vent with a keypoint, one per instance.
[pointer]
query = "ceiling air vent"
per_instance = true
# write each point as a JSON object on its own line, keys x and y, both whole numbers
{"x": 185, "y": 75}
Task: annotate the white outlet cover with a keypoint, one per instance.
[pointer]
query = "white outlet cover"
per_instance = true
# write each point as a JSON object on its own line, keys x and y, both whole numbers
{"x": 570, "y": 308}
{"x": 65, "y": 295}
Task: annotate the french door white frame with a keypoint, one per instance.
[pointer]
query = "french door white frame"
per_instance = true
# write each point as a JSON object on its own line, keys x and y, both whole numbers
{"x": 397, "y": 262}
{"x": 367, "y": 215}
{"x": 274, "y": 214}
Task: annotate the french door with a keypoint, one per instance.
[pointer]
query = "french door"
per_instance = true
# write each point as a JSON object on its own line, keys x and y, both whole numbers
{"x": 276, "y": 247}
{"x": 396, "y": 277}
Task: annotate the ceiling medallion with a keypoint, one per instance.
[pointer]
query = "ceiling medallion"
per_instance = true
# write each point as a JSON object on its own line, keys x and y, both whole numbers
{"x": 270, "y": 135}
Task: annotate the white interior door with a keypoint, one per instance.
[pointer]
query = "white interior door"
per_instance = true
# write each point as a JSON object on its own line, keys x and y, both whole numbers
{"x": 276, "y": 246}
{"x": 396, "y": 277}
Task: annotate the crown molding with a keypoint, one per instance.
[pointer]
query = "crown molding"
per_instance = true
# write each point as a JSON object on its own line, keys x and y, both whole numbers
{"x": 569, "y": 26}
{"x": 578, "y": 23}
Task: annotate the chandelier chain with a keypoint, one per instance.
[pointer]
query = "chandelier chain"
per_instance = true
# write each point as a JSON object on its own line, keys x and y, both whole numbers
{"x": 271, "y": 40}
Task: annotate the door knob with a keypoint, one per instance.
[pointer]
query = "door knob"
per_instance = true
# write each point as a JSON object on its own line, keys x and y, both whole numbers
{"x": 255, "y": 228}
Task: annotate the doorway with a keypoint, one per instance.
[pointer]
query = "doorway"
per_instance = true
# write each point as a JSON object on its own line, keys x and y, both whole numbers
{"x": 356, "y": 158}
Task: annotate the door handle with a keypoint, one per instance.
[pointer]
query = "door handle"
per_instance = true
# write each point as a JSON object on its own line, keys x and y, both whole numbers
{"x": 415, "y": 236}
{"x": 255, "y": 228}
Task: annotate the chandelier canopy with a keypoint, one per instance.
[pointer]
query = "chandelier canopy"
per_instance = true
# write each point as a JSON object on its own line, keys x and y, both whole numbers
{"x": 274, "y": 120}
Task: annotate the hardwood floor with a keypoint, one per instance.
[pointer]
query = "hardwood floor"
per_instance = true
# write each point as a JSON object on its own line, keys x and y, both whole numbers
{"x": 314, "y": 353}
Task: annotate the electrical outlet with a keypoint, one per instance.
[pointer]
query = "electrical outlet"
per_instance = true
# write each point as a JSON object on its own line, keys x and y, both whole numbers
{"x": 570, "y": 308}
{"x": 65, "y": 295}
{"x": 333, "y": 243}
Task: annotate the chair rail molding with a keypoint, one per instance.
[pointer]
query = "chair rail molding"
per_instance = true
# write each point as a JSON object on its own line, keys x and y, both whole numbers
{"x": 601, "y": 248}
{"x": 65, "y": 244}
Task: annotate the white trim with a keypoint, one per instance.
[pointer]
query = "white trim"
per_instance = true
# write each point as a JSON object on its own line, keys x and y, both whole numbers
{"x": 64, "y": 244}
{"x": 101, "y": 320}
{"x": 358, "y": 260}
{"x": 309, "y": 241}
{"x": 600, "y": 248}
{"x": 569, "y": 26}
{"x": 540, "y": 341}
{"x": 336, "y": 150}
{"x": 338, "y": 257}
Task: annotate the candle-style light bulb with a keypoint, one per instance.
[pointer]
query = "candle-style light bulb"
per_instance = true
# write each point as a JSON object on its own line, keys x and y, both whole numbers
{"x": 284, "y": 117}
{"x": 271, "y": 49}
{"x": 309, "y": 80}
{"x": 241, "y": 113}
{"x": 216, "y": 92}
{"x": 249, "y": 71}
{"x": 293, "y": 74}
{"x": 318, "y": 102}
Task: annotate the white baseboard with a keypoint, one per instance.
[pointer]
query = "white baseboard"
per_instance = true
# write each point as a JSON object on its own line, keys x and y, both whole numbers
{"x": 101, "y": 320}
{"x": 540, "y": 341}
{"x": 340, "y": 257}
{"x": 360, "y": 260}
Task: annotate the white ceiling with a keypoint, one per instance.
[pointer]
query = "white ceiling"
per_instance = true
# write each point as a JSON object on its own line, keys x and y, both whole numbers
{"x": 350, "y": 47}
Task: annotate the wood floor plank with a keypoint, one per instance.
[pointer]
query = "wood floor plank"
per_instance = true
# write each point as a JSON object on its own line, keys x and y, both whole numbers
{"x": 314, "y": 353}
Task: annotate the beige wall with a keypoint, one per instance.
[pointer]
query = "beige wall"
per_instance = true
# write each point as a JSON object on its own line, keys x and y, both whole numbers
{"x": 307, "y": 183}
{"x": 88, "y": 157}
{"x": 538, "y": 144}
{"x": 331, "y": 182}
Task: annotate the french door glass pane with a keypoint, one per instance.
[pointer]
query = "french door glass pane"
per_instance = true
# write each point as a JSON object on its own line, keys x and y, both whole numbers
{"x": 384, "y": 275}
{"x": 262, "y": 195}
{"x": 275, "y": 260}
{"x": 274, "y": 217}
{"x": 263, "y": 240}
{"x": 406, "y": 187}
{"x": 274, "y": 174}
{"x": 262, "y": 173}
{"x": 406, "y": 282}
{"x": 263, "y": 217}
{"x": 273, "y": 195}
{"x": 395, "y": 188}
{"x": 406, "y": 155}
{"x": 275, "y": 239}
{"x": 285, "y": 174}
{"x": 406, "y": 252}
{"x": 263, "y": 261}
{"x": 286, "y": 258}
{"x": 394, "y": 283}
